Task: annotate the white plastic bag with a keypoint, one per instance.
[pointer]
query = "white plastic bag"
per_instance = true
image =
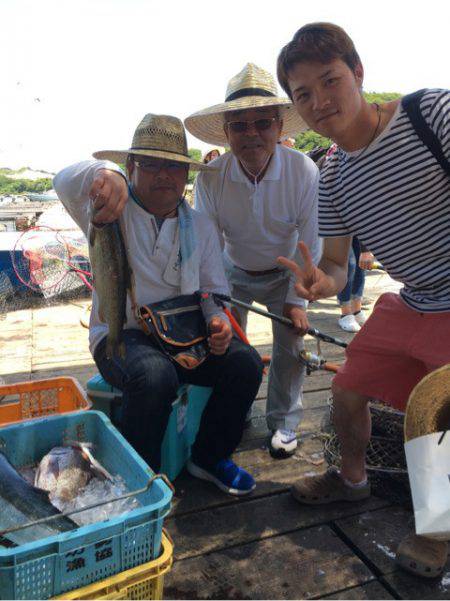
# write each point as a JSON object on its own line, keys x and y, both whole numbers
{"x": 428, "y": 459}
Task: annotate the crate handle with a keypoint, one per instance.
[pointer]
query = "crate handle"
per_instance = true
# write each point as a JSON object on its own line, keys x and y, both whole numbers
{"x": 93, "y": 506}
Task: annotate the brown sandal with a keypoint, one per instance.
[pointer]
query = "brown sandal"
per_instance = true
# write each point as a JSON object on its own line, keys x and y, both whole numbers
{"x": 327, "y": 488}
{"x": 422, "y": 556}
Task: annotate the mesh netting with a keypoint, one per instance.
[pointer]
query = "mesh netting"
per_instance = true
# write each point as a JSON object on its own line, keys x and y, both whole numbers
{"x": 382, "y": 453}
{"x": 385, "y": 458}
{"x": 46, "y": 265}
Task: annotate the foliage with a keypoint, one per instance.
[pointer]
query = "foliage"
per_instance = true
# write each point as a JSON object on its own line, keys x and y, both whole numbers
{"x": 308, "y": 140}
{"x": 195, "y": 154}
{"x": 381, "y": 97}
{"x": 22, "y": 186}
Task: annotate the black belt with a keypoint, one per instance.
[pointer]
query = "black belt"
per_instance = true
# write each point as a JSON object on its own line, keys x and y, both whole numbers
{"x": 263, "y": 272}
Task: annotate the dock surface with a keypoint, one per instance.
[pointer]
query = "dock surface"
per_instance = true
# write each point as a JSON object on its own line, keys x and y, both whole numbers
{"x": 263, "y": 546}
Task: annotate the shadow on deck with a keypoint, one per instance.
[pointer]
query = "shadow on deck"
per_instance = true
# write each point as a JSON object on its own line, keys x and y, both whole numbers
{"x": 266, "y": 545}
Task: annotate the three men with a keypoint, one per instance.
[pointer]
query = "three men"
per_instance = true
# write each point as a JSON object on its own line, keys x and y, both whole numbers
{"x": 158, "y": 226}
{"x": 384, "y": 185}
{"x": 262, "y": 196}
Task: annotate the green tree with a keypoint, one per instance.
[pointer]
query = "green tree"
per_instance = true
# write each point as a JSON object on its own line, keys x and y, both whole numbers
{"x": 195, "y": 154}
{"x": 308, "y": 140}
{"x": 9, "y": 185}
{"x": 381, "y": 97}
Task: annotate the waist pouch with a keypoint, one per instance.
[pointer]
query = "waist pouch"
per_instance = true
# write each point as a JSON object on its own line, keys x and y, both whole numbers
{"x": 178, "y": 328}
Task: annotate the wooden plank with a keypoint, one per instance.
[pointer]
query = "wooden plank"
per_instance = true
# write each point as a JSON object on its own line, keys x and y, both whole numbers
{"x": 299, "y": 565}
{"x": 271, "y": 475}
{"x": 81, "y": 372}
{"x": 311, "y": 422}
{"x": 221, "y": 527}
{"x": 312, "y": 399}
{"x": 319, "y": 380}
{"x": 378, "y": 534}
{"x": 14, "y": 321}
{"x": 371, "y": 590}
{"x": 412, "y": 587}
{"x": 15, "y": 346}
{"x": 277, "y": 476}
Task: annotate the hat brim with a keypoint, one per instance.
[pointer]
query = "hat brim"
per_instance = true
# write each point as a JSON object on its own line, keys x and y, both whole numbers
{"x": 120, "y": 156}
{"x": 428, "y": 408}
{"x": 207, "y": 124}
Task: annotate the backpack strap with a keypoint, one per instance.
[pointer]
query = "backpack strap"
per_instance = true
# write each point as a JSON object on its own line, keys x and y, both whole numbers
{"x": 411, "y": 105}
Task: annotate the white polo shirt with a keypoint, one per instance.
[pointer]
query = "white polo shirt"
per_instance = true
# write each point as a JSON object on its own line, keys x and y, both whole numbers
{"x": 149, "y": 248}
{"x": 259, "y": 222}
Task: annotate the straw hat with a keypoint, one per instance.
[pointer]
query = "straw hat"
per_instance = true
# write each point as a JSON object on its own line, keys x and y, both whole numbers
{"x": 159, "y": 136}
{"x": 252, "y": 88}
{"x": 428, "y": 408}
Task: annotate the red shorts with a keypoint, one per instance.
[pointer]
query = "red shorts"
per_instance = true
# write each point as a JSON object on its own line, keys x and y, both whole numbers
{"x": 394, "y": 350}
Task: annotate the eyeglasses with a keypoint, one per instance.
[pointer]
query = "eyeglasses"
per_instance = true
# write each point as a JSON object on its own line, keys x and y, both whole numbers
{"x": 155, "y": 166}
{"x": 238, "y": 127}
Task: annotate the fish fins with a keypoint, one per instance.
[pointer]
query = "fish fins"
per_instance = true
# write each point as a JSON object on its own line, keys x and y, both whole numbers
{"x": 115, "y": 350}
{"x": 97, "y": 468}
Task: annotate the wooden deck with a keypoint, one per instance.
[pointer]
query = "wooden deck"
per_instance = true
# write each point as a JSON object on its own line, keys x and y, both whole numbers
{"x": 266, "y": 545}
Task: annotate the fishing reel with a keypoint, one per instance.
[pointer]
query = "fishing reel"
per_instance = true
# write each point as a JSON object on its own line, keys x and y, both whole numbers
{"x": 312, "y": 361}
{"x": 316, "y": 361}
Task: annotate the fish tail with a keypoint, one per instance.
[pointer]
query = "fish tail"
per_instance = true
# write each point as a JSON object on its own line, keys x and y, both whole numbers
{"x": 115, "y": 349}
{"x": 110, "y": 348}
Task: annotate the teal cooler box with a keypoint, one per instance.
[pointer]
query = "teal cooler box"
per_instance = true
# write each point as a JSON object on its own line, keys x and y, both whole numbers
{"x": 70, "y": 560}
{"x": 182, "y": 428}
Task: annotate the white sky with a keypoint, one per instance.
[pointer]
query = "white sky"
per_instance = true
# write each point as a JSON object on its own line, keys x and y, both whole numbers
{"x": 97, "y": 66}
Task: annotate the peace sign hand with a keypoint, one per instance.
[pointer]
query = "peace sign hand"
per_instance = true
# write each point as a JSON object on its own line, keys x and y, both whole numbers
{"x": 311, "y": 282}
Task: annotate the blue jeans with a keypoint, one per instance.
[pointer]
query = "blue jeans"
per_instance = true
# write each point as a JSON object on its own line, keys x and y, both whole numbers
{"x": 356, "y": 276}
{"x": 150, "y": 381}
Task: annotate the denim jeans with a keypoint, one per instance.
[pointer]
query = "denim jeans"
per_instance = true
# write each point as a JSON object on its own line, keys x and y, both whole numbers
{"x": 149, "y": 381}
{"x": 356, "y": 276}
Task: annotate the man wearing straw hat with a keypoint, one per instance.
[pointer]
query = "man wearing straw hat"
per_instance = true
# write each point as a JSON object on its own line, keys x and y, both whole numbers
{"x": 158, "y": 227}
{"x": 388, "y": 183}
{"x": 262, "y": 197}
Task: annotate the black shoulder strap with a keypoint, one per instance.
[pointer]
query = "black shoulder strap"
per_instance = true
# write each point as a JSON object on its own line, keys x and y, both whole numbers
{"x": 411, "y": 105}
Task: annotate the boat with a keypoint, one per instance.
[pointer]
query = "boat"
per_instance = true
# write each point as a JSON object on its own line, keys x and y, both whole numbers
{"x": 48, "y": 196}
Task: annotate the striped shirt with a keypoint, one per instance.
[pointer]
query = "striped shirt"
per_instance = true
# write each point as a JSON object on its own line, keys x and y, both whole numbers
{"x": 396, "y": 199}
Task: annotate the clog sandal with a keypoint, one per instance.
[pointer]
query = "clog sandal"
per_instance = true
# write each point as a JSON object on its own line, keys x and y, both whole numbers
{"x": 422, "y": 556}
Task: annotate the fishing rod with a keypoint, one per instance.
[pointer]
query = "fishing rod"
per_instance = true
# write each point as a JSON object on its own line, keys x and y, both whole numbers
{"x": 280, "y": 319}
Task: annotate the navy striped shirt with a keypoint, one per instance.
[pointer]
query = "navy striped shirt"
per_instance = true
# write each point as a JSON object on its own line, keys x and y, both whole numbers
{"x": 396, "y": 199}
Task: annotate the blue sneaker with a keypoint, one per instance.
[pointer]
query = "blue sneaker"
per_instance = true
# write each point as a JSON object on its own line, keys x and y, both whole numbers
{"x": 229, "y": 477}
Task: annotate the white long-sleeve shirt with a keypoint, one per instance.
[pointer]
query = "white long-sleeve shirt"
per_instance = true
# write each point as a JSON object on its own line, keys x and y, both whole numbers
{"x": 148, "y": 248}
{"x": 259, "y": 222}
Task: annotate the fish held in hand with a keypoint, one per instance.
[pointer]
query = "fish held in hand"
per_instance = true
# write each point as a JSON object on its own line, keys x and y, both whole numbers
{"x": 112, "y": 279}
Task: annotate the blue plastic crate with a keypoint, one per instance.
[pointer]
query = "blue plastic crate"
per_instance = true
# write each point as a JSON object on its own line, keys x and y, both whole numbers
{"x": 182, "y": 427}
{"x": 57, "y": 564}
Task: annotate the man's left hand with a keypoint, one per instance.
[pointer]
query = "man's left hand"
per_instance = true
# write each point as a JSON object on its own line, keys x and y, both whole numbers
{"x": 220, "y": 336}
{"x": 298, "y": 317}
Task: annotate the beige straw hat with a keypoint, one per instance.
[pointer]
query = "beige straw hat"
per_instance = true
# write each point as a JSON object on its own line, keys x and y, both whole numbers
{"x": 252, "y": 88}
{"x": 159, "y": 136}
{"x": 428, "y": 408}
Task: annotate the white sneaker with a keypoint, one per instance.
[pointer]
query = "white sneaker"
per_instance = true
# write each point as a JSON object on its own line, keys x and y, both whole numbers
{"x": 360, "y": 318}
{"x": 283, "y": 443}
{"x": 348, "y": 323}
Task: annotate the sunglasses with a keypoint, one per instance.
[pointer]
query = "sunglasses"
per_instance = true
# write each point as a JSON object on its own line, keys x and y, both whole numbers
{"x": 238, "y": 127}
{"x": 155, "y": 166}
